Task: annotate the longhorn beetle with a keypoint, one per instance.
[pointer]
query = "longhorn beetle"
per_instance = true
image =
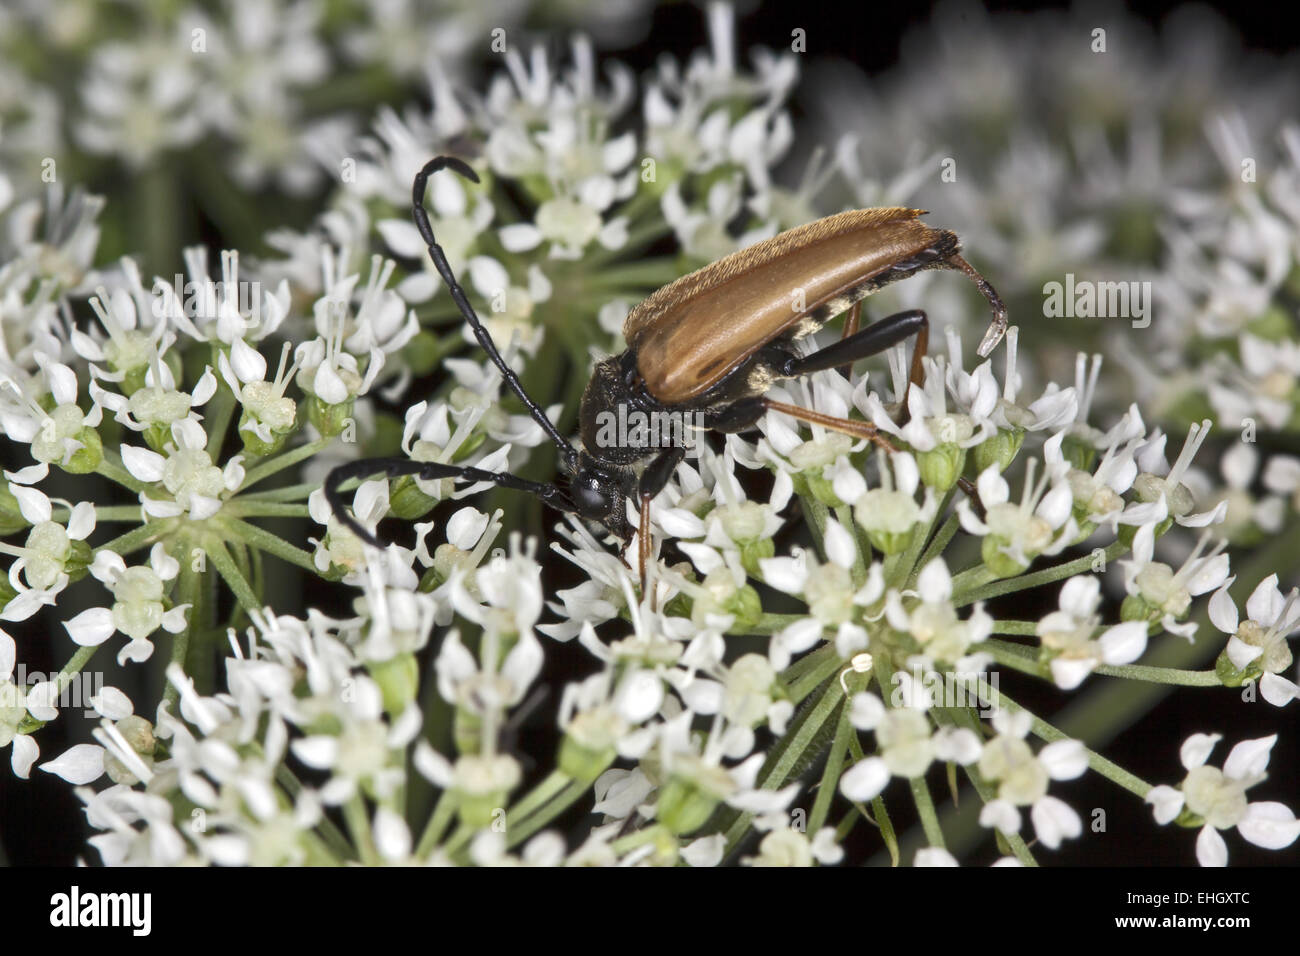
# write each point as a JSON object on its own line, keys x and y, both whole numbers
{"x": 711, "y": 344}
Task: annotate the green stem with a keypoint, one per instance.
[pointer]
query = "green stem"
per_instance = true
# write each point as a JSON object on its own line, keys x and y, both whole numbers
{"x": 288, "y": 493}
{"x": 794, "y": 748}
{"x": 925, "y": 808}
{"x": 1162, "y": 675}
{"x": 567, "y": 797}
{"x": 804, "y": 664}
{"x": 903, "y": 565}
{"x": 111, "y": 467}
{"x": 189, "y": 590}
{"x": 831, "y": 774}
{"x": 886, "y": 826}
{"x": 329, "y": 833}
{"x": 808, "y": 682}
{"x": 968, "y": 592}
{"x": 270, "y": 543}
{"x": 443, "y": 812}
{"x": 217, "y": 414}
{"x": 134, "y": 539}
{"x": 229, "y": 572}
{"x": 1045, "y": 731}
{"x": 270, "y": 509}
{"x": 540, "y": 794}
{"x": 133, "y": 513}
{"x": 817, "y": 514}
{"x": 771, "y": 623}
{"x": 936, "y": 547}
{"x": 280, "y": 462}
{"x": 844, "y": 515}
{"x": 354, "y": 814}
{"x": 1017, "y": 657}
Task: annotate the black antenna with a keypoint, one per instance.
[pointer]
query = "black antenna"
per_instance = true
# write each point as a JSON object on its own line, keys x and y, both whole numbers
{"x": 458, "y": 296}
{"x": 426, "y": 471}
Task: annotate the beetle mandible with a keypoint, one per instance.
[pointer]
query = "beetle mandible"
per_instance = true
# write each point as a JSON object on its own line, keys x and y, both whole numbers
{"x": 710, "y": 344}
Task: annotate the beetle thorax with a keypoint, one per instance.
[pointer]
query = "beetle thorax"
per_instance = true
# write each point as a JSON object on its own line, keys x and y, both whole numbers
{"x": 608, "y": 391}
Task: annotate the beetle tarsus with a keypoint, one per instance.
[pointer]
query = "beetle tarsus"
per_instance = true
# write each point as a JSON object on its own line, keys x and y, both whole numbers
{"x": 998, "y": 327}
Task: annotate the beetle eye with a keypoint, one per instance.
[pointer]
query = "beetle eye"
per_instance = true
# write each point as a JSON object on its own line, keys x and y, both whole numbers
{"x": 591, "y": 496}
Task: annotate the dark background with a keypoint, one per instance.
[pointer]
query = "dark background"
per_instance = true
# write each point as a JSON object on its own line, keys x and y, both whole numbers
{"x": 41, "y": 821}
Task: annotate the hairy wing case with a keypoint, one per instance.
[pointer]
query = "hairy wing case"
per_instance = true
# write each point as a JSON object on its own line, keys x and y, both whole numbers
{"x": 691, "y": 333}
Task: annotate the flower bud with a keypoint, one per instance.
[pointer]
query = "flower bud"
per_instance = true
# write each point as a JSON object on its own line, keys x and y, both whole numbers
{"x": 11, "y": 518}
{"x": 398, "y": 679}
{"x": 999, "y": 450}
{"x": 998, "y": 561}
{"x": 684, "y": 807}
{"x": 329, "y": 420}
{"x": 407, "y": 501}
{"x": 941, "y": 466}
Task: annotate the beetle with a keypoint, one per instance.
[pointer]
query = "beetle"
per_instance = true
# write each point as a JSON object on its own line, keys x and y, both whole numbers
{"x": 709, "y": 344}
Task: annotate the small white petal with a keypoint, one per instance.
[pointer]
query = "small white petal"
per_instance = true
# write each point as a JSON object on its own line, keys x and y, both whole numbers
{"x": 1269, "y": 825}
{"x": 32, "y": 504}
{"x": 706, "y": 851}
{"x": 112, "y": 703}
{"x": 1265, "y": 602}
{"x": 1064, "y": 759}
{"x": 433, "y": 766}
{"x": 840, "y": 546}
{"x": 1001, "y": 814}
{"x": 1054, "y": 820}
{"x": 392, "y": 838}
{"x": 957, "y": 744}
{"x": 934, "y": 583}
{"x": 866, "y": 711}
{"x": 520, "y": 237}
{"x": 143, "y": 463}
{"x": 1069, "y": 673}
{"x": 1249, "y": 758}
{"x": 1241, "y": 653}
{"x": 1124, "y": 643}
{"x": 317, "y": 751}
{"x": 1210, "y": 848}
{"x": 1223, "y": 611}
{"x": 865, "y": 779}
{"x": 639, "y": 696}
{"x": 1166, "y": 803}
{"x": 1277, "y": 690}
{"x": 23, "y": 755}
{"x": 81, "y": 764}
{"x": 91, "y": 627}
{"x": 934, "y": 856}
{"x": 1196, "y": 749}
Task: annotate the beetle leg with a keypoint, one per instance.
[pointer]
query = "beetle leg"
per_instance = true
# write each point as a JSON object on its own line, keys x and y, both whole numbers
{"x": 847, "y": 426}
{"x": 968, "y": 486}
{"x": 651, "y": 482}
{"x": 851, "y": 329}
{"x": 875, "y": 338}
{"x": 643, "y": 545}
{"x": 998, "y": 327}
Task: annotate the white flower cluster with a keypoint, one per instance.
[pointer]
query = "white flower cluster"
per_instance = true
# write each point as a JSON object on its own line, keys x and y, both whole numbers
{"x": 814, "y": 604}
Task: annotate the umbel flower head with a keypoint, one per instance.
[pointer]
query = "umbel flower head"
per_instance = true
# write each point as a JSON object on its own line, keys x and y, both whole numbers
{"x": 824, "y": 621}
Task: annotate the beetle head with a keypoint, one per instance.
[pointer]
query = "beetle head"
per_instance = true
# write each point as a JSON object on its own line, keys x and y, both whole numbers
{"x": 599, "y": 494}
